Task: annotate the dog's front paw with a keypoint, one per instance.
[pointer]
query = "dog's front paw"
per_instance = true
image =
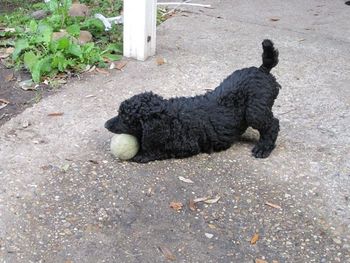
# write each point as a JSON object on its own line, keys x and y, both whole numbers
{"x": 262, "y": 151}
{"x": 141, "y": 159}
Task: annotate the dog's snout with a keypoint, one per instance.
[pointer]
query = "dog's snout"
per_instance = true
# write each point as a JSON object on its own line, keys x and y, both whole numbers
{"x": 107, "y": 125}
{"x": 112, "y": 125}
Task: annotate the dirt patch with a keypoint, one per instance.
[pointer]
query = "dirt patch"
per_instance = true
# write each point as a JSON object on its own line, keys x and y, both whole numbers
{"x": 18, "y": 98}
{"x": 10, "y": 5}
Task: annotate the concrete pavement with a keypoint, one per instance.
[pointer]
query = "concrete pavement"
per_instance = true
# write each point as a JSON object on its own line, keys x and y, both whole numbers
{"x": 64, "y": 198}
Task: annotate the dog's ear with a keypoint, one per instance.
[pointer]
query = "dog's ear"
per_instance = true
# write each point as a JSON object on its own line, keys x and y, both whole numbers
{"x": 150, "y": 105}
{"x": 153, "y": 134}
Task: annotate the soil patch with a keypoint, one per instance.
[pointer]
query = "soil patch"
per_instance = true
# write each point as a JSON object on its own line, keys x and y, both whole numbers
{"x": 18, "y": 98}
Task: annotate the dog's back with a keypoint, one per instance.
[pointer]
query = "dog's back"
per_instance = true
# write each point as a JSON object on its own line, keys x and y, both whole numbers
{"x": 256, "y": 82}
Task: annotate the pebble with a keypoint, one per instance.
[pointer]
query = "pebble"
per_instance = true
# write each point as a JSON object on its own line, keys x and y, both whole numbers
{"x": 208, "y": 235}
{"x": 337, "y": 241}
{"x": 40, "y": 14}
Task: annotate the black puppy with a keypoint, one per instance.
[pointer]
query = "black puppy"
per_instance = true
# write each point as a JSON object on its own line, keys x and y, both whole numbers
{"x": 185, "y": 126}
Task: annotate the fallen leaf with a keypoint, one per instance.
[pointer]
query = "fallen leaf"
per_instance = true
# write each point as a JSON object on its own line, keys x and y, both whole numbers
{"x": 254, "y": 239}
{"x": 273, "y": 205}
{"x": 9, "y": 50}
{"x": 192, "y": 205}
{"x": 176, "y": 206}
{"x": 161, "y": 61}
{"x": 211, "y": 226}
{"x": 200, "y": 199}
{"x": 3, "y": 55}
{"x": 54, "y": 114}
{"x": 3, "y": 103}
{"x": 275, "y": 18}
{"x": 26, "y": 88}
{"x": 120, "y": 65}
{"x": 189, "y": 181}
{"x": 112, "y": 66}
{"x": 61, "y": 81}
{"x": 9, "y": 77}
{"x": 99, "y": 70}
{"x": 65, "y": 168}
{"x": 167, "y": 253}
{"x": 93, "y": 161}
{"x": 89, "y": 68}
{"x": 92, "y": 228}
{"x": 213, "y": 200}
{"x": 27, "y": 84}
{"x": 260, "y": 261}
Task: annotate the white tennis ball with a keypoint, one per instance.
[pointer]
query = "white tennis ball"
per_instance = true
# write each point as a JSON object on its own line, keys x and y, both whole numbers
{"x": 124, "y": 146}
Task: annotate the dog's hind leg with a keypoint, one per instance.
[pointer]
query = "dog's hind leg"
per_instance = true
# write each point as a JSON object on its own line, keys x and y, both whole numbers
{"x": 262, "y": 119}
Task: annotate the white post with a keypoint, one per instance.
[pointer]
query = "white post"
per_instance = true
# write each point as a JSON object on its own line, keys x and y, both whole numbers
{"x": 140, "y": 20}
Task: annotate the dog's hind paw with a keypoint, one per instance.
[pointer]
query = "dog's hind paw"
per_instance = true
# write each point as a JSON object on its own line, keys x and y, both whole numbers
{"x": 262, "y": 151}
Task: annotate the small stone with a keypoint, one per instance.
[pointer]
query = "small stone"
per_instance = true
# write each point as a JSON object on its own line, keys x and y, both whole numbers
{"x": 337, "y": 241}
{"x": 25, "y": 124}
{"x": 40, "y": 14}
{"x": 208, "y": 235}
{"x": 84, "y": 37}
{"x": 59, "y": 35}
{"x": 79, "y": 10}
{"x": 67, "y": 224}
{"x": 67, "y": 231}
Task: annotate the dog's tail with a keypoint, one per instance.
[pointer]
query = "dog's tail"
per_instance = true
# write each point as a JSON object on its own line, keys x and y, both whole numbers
{"x": 269, "y": 56}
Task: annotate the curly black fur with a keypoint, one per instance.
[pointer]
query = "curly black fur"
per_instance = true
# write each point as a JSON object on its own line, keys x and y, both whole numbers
{"x": 182, "y": 127}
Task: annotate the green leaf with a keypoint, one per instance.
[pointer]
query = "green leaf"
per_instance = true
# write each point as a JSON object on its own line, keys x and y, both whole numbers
{"x": 42, "y": 67}
{"x": 75, "y": 50}
{"x": 55, "y": 21}
{"x": 73, "y": 30}
{"x": 53, "y": 5}
{"x": 67, "y": 4}
{"x": 88, "y": 47}
{"x": 53, "y": 46}
{"x": 30, "y": 59}
{"x": 94, "y": 26}
{"x": 114, "y": 48}
{"x": 44, "y": 33}
{"x": 63, "y": 43}
{"x": 20, "y": 45}
{"x": 33, "y": 26}
{"x": 112, "y": 57}
{"x": 60, "y": 62}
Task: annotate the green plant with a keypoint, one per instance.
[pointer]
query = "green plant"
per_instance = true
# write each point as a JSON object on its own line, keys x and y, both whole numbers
{"x": 36, "y": 50}
{"x": 45, "y": 56}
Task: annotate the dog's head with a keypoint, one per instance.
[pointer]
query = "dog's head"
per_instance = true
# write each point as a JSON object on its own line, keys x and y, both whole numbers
{"x": 134, "y": 112}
